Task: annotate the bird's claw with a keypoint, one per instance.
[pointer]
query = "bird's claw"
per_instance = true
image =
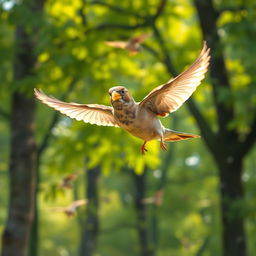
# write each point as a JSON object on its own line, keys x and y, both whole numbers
{"x": 143, "y": 149}
{"x": 163, "y": 146}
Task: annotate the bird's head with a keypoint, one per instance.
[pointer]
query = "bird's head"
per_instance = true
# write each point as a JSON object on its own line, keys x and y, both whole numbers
{"x": 120, "y": 96}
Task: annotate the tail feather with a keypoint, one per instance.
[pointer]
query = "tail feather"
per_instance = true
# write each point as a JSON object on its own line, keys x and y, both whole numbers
{"x": 170, "y": 135}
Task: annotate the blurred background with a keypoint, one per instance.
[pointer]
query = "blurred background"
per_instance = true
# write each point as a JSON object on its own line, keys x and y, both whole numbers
{"x": 70, "y": 188}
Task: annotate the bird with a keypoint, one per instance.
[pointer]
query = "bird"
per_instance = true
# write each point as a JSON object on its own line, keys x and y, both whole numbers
{"x": 70, "y": 210}
{"x": 133, "y": 45}
{"x": 156, "y": 199}
{"x": 140, "y": 118}
{"x": 67, "y": 181}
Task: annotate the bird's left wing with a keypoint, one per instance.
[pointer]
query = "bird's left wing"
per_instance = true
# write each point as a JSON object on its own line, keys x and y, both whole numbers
{"x": 167, "y": 98}
{"x": 89, "y": 113}
{"x": 77, "y": 204}
{"x": 117, "y": 44}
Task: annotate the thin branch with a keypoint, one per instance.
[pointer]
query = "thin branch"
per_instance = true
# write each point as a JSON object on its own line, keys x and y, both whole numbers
{"x": 160, "y": 9}
{"x": 147, "y": 20}
{"x": 116, "y": 26}
{"x": 206, "y": 131}
{"x": 151, "y": 50}
{"x": 55, "y": 119}
{"x": 81, "y": 13}
{"x": 116, "y": 8}
{"x": 167, "y": 60}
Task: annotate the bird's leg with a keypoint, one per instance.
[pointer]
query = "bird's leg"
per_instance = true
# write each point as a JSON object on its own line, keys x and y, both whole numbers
{"x": 143, "y": 148}
{"x": 163, "y": 145}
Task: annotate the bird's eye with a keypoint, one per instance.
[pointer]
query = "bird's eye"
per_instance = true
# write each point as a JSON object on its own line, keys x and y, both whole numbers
{"x": 122, "y": 91}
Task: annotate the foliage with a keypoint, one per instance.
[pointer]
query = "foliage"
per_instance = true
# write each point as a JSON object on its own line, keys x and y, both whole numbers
{"x": 71, "y": 49}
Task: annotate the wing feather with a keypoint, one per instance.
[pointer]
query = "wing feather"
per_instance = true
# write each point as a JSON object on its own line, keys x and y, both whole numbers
{"x": 168, "y": 97}
{"x": 117, "y": 44}
{"x": 89, "y": 113}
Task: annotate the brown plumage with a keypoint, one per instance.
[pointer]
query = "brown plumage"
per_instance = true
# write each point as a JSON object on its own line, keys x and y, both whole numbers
{"x": 133, "y": 45}
{"x": 70, "y": 210}
{"x": 67, "y": 181}
{"x": 140, "y": 119}
{"x": 157, "y": 199}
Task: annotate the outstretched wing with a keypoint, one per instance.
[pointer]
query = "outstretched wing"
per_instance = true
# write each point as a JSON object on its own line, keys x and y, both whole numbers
{"x": 169, "y": 97}
{"x": 141, "y": 38}
{"x": 77, "y": 203}
{"x": 89, "y": 113}
{"x": 117, "y": 44}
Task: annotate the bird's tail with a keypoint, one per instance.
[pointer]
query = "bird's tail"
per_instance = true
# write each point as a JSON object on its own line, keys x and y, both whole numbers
{"x": 170, "y": 135}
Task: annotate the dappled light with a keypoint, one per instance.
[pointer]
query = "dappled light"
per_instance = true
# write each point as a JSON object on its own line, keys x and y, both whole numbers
{"x": 106, "y": 149}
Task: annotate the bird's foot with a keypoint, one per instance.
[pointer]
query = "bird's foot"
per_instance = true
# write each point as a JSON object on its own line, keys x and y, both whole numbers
{"x": 163, "y": 146}
{"x": 143, "y": 148}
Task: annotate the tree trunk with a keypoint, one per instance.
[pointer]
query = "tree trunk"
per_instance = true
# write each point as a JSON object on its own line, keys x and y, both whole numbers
{"x": 225, "y": 150}
{"x": 232, "y": 194}
{"x": 142, "y": 225}
{"x": 22, "y": 156}
{"x": 91, "y": 223}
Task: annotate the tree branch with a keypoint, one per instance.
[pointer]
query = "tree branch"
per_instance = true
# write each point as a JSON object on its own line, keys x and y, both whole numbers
{"x": 116, "y": 26}
{"x": 147, "y": 20}
{"x": 160, "y": 9}
{"x": 81, "y": 13}
{"x": 206, "y": 131}
{"x": 151, "y": 50}
{"x": 167, "y": 60}
{"x": 116, "y": 8}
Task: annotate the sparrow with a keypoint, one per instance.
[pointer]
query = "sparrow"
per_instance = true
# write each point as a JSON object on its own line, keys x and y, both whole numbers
{"x": 70, "y": 210}
{"x": 67, "y": 181}
{"x": 133, "y": 45}
{"x": 140, "y": 118}
{"x": 157, "y": 199}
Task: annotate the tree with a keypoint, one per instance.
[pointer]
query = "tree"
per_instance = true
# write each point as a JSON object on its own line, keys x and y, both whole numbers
{"x": 22, "y": 156}
{"x": 23, "y": 147}
{"x": 90, "y": 229}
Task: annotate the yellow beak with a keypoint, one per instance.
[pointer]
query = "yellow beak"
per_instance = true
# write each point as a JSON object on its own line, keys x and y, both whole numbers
{"x": 115, "y": 96}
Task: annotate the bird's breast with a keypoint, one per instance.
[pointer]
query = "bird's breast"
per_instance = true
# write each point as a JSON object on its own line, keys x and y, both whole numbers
{"x": 139, "y": 123}
{"x": 125, "y": 117}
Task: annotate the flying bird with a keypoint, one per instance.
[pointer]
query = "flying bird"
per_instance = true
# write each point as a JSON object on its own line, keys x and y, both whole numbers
{"x": 70, "y": 210}
{"x": 133, "y": 45}
{"x": 67, "y": 181}
{"x": 157, "y": 199}
{"x": 140, "y": 118}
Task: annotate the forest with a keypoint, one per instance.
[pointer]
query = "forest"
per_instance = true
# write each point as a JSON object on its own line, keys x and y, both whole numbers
{"x": 69, "y": 188}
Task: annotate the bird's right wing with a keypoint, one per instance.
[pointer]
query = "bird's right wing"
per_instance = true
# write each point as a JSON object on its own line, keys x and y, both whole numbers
{"x": 141, "y": 38}
{"x": 89, "y": 113}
